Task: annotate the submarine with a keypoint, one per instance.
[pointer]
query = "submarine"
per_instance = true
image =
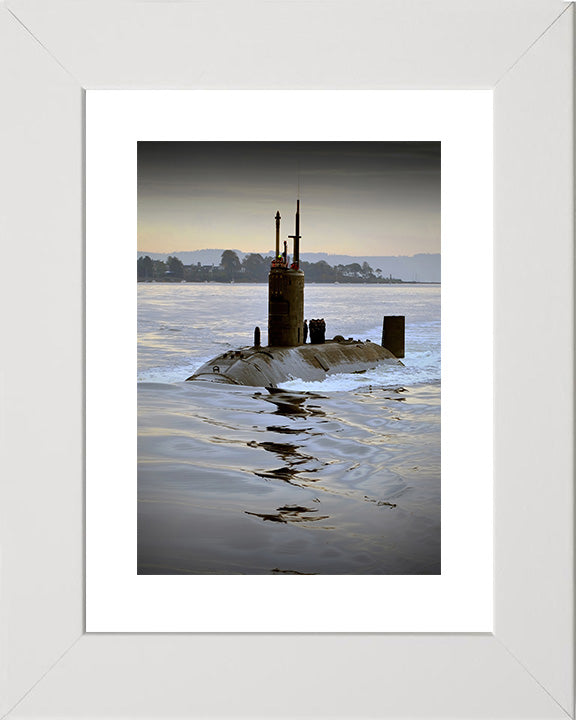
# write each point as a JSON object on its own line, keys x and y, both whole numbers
{"x": 287, "y": 355}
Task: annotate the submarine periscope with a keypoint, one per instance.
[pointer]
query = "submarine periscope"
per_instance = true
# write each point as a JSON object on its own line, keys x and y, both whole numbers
{"x": 287, "y": 355}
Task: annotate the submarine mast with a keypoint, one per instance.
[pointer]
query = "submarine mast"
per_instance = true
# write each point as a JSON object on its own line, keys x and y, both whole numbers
{"x": 277, "y": 254}
{"x": 296, "y": 237}
{"x": 286, "y": 293}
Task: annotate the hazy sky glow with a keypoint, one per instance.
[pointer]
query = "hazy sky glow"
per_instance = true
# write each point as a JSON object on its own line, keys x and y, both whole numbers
{"x": 356, "y": 198}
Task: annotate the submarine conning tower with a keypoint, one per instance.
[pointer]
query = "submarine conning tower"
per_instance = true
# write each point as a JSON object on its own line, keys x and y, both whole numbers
{"x": 286, "y": 293}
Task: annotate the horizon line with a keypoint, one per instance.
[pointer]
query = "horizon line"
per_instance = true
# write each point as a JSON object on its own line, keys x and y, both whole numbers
{"x": 250, "y": 252}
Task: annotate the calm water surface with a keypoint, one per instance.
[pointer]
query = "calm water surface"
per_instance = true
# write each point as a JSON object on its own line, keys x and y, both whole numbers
{"x": 333, "y": 477}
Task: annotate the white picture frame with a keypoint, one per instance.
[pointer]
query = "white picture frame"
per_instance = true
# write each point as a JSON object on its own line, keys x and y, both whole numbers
{"x": 54, "y": 50}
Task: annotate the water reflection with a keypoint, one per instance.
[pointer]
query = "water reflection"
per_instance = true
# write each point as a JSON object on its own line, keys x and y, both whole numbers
{"x": 286, "y": 430}
{"x": 290, "y": 513}
{"x": 292, "y": 404}
{"x": 283, "y": 450}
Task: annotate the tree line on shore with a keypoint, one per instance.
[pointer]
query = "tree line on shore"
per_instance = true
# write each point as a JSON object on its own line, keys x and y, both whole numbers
{"x": 253, "y": 268}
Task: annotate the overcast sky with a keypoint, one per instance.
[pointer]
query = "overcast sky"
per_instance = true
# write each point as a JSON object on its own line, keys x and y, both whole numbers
{"x": 356, "y": 198}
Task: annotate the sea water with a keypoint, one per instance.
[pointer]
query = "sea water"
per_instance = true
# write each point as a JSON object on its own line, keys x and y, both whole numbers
{"x": 334, "y": 477}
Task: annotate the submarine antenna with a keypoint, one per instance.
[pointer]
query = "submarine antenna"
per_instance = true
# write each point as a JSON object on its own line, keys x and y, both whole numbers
{"x": 296, "y": 237}
{"x": 298, "y": 195}
{"x": 277, "y": 235}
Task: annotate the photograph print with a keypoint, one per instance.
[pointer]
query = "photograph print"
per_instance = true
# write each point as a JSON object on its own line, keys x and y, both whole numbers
{"x": 289, "y": 358}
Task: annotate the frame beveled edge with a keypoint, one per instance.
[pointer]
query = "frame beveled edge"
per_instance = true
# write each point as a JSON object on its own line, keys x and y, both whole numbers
{"x": 65, "y": 642}
{"x": 534, "y": 287}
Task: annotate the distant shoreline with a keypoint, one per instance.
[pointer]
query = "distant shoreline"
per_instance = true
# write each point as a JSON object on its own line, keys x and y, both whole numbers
{"x": 226, "y": 265}
{"x": 255, "y": 282}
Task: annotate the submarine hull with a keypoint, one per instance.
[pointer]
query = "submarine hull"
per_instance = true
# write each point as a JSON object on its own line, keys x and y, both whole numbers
{"x": 268, "y": 366}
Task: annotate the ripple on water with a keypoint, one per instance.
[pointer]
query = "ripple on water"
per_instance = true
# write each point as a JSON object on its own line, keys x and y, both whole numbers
{"x": 233, "y": 480}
